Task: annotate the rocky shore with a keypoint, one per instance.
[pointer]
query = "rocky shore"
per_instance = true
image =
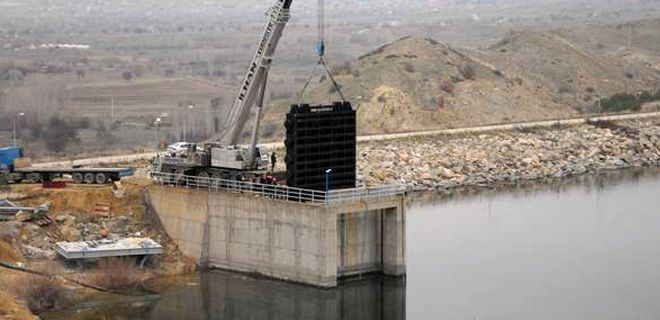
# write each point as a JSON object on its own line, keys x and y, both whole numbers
{"x": 508, "y": 157}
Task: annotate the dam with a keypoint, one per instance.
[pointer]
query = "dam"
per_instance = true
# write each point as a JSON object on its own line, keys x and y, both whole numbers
{"x": 302, "y": 236}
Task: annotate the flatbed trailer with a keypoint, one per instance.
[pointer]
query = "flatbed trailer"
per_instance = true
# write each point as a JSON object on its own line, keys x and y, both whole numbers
{"x": 13, "y": 170}
{"x": 79, "y": 175}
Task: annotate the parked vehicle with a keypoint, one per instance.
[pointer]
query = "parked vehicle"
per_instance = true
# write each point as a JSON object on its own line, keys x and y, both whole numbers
{"x": 14, "y": 168}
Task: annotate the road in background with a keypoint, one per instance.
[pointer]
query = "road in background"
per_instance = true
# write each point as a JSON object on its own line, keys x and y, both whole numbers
{"x": 381, "y": 137}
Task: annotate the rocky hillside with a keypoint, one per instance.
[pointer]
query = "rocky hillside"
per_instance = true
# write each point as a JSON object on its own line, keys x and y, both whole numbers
{"x": 419, "y": 83}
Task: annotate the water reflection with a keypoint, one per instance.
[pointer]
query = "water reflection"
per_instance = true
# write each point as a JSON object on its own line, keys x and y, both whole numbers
{"x": 592, "y": 184}
{"x": 571, "y": 249}
{"x": 220, "y": 295}
{"x": 582, "y": 248}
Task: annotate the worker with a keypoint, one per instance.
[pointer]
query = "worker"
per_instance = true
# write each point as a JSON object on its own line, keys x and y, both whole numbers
{"x": 273, "y": 161}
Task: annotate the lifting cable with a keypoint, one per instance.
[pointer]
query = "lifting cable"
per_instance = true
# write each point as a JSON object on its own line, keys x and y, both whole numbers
{"x": 320, "y": 51}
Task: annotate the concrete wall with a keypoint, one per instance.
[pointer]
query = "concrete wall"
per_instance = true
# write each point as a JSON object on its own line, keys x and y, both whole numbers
{"x": 183, "y": 213}
{"x": 371, "y": 236}
{"x": 290, "y": 241}
{"x": 304, "y": 243}
{"x": 359, "y": 242}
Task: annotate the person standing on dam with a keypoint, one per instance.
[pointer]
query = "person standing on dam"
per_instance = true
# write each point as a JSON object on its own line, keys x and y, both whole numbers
{"x": 273, "y": 161}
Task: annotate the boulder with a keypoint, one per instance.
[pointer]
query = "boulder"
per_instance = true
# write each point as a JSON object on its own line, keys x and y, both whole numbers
{"x": 31, "y": 252}
{"x": 10, "y": 230}
{"x": 23, "y": 216}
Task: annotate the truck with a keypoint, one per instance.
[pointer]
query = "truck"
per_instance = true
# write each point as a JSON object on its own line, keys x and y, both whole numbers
{"x": 221, "y": 156}
{"x": 13, "y": 169}
{"x": 212, "y": 160}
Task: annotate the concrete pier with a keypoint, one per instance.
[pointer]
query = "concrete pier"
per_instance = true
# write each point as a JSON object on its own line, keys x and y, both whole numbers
{"x": 308, "y": 243}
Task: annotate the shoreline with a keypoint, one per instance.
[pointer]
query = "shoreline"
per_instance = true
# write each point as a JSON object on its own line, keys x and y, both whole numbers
{"x": 532, "y": 186}
{"x": 438, "y": 163}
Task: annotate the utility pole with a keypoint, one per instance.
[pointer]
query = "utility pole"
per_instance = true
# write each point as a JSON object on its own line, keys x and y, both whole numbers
{"x": 190, "y": 117}
{"x": 158, "y": 120}
{"x": 112, "y": 108}
{"x": 15, "y": 135}
{"x": 630, "y": 27}
{"x": 183, "y": 129}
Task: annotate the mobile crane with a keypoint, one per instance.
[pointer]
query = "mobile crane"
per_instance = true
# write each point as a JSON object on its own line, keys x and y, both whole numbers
{"x": 221, "y": 156}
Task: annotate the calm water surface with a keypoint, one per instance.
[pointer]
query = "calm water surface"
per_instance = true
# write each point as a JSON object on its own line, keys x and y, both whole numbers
{"x": 583, "y": 248}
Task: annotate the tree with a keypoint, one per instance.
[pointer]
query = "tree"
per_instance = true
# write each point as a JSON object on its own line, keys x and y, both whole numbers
{"x": 138, "y": 71}
{"x": 58, "y": 134}
{"x": 104, "y": 135}
{"x": 127, "y": 75}
{"x": 15, "y": 76}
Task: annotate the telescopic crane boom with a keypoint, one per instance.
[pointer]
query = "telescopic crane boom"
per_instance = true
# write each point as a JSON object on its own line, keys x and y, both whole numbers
{"x": 253, "y": 86}
{"x": 220, "y": 156}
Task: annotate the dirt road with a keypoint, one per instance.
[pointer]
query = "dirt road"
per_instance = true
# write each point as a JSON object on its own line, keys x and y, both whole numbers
{"x": 381, "y": 137}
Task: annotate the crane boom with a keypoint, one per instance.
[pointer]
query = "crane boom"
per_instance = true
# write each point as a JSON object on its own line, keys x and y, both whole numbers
{"x": 254, "y": 83}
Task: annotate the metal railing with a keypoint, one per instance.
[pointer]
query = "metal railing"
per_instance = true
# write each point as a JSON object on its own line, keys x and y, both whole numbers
{"x": 283, "y": 193}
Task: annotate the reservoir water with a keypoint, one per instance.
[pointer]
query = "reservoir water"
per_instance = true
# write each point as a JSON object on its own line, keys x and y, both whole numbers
{"x": 581, "y": 248}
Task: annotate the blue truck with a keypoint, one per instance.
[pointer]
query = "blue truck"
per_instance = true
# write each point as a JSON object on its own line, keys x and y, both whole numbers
{"x": 9, "y": 173}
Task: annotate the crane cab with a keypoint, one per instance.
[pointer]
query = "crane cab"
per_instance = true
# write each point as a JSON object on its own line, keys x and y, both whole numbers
{"x": 238, "y": 158}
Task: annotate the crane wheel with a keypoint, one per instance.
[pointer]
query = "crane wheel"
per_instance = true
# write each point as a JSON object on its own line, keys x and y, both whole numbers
{"x": 34, "y": 177}
{"x": 101, "y": 178}
{"x": 78, "y": 178}
{"x": 89, "y": 178}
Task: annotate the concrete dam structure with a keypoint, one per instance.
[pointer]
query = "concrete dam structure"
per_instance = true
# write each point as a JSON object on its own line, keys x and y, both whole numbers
{"x": 309, "y": 242}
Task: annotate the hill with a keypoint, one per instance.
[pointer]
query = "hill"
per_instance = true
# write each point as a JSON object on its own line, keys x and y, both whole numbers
{"x": 419, "y": 83}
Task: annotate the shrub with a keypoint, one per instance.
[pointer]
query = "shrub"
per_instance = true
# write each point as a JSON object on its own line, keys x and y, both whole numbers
{"x": 447, "y": 86}
{"x": 270, "y": 130}
{"x": 333, "y": 89}
{"x": 116, "y": 274}
{"x": 7, "y": 253}
{"x": 603, "y": 124}
{"x": 42, "y": 293}
{"x": 563, "y": 89}
{"x": 627, "y": 101}
{"x": 341, "y": 69}
{"x": 408, "y": 67}
{"x": 467, "y": 71}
